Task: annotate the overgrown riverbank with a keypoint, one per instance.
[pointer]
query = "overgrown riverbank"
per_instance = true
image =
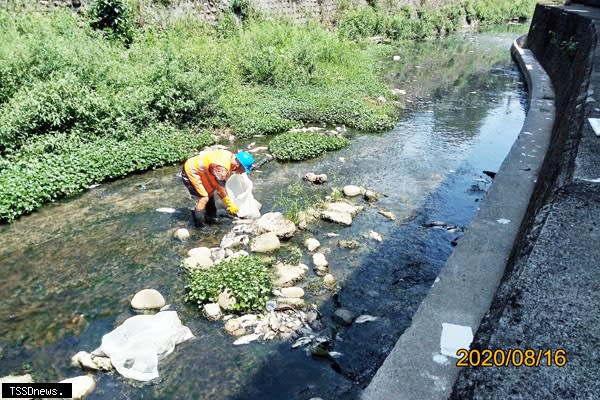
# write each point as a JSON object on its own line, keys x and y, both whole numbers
{"x": 79, "y": 106}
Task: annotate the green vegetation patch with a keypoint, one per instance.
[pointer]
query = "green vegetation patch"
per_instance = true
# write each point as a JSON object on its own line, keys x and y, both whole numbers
{"x": 247, "y": 277}
{"x": 57, "y": 167}
{"x": 423, "y": 23}
{"x": 297, "y": 146}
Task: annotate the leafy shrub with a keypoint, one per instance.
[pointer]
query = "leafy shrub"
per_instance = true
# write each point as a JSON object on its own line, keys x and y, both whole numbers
{"x": 297, "y": 146}
{"x": 278, "y": 54}
{"x": 246, "y": 277}
{"x": 70, "y": 165}
{"x": 114, "y": 17}
{"x": 360, "y": 23}
{"x": 242, "y": 8}
{"x": 56, "y": 105}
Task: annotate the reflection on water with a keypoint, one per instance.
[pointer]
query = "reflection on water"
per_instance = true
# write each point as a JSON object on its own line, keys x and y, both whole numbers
{"x": 70, "y": 269}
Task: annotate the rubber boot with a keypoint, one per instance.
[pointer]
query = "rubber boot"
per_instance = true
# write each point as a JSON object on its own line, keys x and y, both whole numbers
{"x": 198, "y": 218}
{"x": 211, "y": 211}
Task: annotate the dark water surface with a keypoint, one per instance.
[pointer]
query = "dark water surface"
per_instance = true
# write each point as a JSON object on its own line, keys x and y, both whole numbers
{"x": 71, "y": 269}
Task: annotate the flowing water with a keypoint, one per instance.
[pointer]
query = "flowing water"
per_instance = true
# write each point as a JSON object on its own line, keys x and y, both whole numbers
{"x": 71, "y": 269}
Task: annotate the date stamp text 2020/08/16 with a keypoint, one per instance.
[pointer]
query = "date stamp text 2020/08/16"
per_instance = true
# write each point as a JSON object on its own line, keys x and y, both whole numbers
{"x": 511, "y": 357}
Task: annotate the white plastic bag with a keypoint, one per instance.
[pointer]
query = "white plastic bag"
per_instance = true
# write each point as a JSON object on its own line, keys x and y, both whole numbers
{"x": 135, "y": 346}
{"x": 239, "y": 189}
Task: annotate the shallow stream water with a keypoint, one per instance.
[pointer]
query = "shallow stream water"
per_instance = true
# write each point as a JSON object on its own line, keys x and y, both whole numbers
{"x": 71, "y": 269}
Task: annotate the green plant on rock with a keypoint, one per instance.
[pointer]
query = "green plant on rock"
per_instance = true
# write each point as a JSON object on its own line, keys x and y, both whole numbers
{"x": 296, "y": 199}
{"x": 297, "y": 146}
{"x": 247, "y": 277}
{"x": 291, "y": 255}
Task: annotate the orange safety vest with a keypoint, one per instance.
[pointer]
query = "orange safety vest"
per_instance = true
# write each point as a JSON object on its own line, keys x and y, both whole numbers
{"x": 208, "y": 171}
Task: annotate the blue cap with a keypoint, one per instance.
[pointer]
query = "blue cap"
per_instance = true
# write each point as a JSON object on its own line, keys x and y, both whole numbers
{"x": 246, "y": 159}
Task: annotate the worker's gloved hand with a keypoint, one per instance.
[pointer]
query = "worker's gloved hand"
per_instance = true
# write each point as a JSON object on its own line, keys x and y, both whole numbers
{"x": 233, "y": 209}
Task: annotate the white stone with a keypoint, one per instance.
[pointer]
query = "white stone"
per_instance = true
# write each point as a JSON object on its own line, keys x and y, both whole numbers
{"x": 232, "y": 240}
{"x": 342, "y": 206}
{"x": 198, "y": 261}
{"x": 232, "y": 326}
{"x": 314, "y": 178}
{"x": 217, "y": 254}
{"x": 182, "y": 234}
{"x": 292, "y": 301}
{"x": 352, "y": 190}
{"x": 200, "y": 252}
{"x": 329, "y": 280}
{"x": 292, "y": 292}
{"x": 319, "y": 260}
{"x": 342, "y": 218}
{"x": 275, "y": 222}
{"x": 148, "y": 299}
{"x": 82, "y": 386}
{"x": 312, "y": 244}
{"x": 287, "y": 275}
{"x": 212, "y": 311}
{"x": 15, "y": 379}
{"x": 27, "y": 378}
{"x": 265, "y": 243}
{"x": 226, "y": 300}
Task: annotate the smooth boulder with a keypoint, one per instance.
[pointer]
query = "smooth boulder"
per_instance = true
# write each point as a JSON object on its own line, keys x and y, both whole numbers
{"x": 148, "y": 299}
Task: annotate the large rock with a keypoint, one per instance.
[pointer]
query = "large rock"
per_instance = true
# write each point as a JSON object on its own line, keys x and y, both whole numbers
{"x": 343, "y": 207}
{"x": 314, "y": 178}
{"x": 287, "y": 275}
{"x": 15, "y": 379}
{"x": 226, "y": 300}
{"x": 200, "y": 260}
{"x": 292, "y": 292}
{"x": 181, "y": 234}
{"x": 329, "y": 280}
{"x": 204, "y": 252}
{"x": 292, "y": 301}
{"x": 148, "y": 299}
{"x": 27, "y": 378}
{"x": 341, "y": 218}
{"x": 275, "y": 222}
{"x": 319, "y": 260}
{"x": 265, "y": 243}
{"x": 307, "y": 217}
{"x": 212, "y": 311}
{"x": 234, "y": 327}
{"x": 312, "y": 244}
{"x": 82, "y": 386}
{"x": 234, "y": 241}
{"x": 352, "y": 190}
{"x": 340, "y": 212}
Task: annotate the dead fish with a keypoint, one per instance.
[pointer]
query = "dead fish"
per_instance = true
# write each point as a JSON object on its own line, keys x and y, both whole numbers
{"x": 167, "y": 210}
{"x": 246, "y": 339}
{"x": 365, "y": 318}
{"x": 335, "y": 354}
{"x": 303, "y": 341}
